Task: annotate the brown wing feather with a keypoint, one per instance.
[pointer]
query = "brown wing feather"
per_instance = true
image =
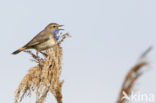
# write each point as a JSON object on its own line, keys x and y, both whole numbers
{"x": 40, "y": 38}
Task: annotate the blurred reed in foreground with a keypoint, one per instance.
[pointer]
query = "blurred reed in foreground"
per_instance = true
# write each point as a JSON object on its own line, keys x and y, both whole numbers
{"x": 45, "y": 77}
{"x": 132, "y": 76}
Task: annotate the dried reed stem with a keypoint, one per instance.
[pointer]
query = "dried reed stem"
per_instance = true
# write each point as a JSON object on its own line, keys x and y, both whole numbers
{"x": 45, "y": 77}
{"x": 132, "y": 76}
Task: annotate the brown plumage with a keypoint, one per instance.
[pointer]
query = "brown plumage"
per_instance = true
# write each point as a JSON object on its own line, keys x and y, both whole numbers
{"x": 42, "y": 41}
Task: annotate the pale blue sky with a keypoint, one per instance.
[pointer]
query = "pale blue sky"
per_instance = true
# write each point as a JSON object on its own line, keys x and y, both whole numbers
{"x": 107, "y": 38}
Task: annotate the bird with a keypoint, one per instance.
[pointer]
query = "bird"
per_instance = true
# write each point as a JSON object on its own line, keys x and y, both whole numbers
{"x": 44, "y": 40}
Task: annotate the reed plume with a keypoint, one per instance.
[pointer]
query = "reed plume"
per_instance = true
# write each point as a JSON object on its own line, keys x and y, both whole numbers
{"x": 132, "y": 77}
{"x": 44, "y": 78}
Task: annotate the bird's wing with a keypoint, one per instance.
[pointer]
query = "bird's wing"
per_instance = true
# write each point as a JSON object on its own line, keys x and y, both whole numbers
{"x": 40, "y": 38}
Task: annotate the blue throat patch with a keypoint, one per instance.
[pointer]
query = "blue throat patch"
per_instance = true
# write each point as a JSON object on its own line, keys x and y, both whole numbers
{"x": 55, "y": 34}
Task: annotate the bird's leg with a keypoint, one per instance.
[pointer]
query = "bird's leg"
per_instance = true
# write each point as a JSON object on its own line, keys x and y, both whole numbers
{"x": 37, "y": 53}
{"x": 44, "y": 54}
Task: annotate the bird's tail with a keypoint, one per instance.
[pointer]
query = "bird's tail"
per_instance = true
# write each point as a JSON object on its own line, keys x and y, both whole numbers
{"x": 18, "y": 51}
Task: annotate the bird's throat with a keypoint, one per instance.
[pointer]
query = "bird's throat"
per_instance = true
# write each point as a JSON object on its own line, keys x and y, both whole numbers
{"x": 56, "y": 32}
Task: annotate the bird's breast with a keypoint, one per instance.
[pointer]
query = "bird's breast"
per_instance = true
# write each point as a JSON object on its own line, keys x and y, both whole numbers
{"x": 46, "y": 45}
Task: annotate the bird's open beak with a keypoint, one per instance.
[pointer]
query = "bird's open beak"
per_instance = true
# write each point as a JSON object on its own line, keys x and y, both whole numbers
{"x": 60, "y": 28}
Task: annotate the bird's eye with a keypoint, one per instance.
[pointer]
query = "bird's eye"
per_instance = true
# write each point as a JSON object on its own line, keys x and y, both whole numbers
{"x": 54, "y": 26}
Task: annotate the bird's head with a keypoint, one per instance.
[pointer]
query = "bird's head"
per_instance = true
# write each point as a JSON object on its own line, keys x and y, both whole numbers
{"x": 54, "y": 26}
